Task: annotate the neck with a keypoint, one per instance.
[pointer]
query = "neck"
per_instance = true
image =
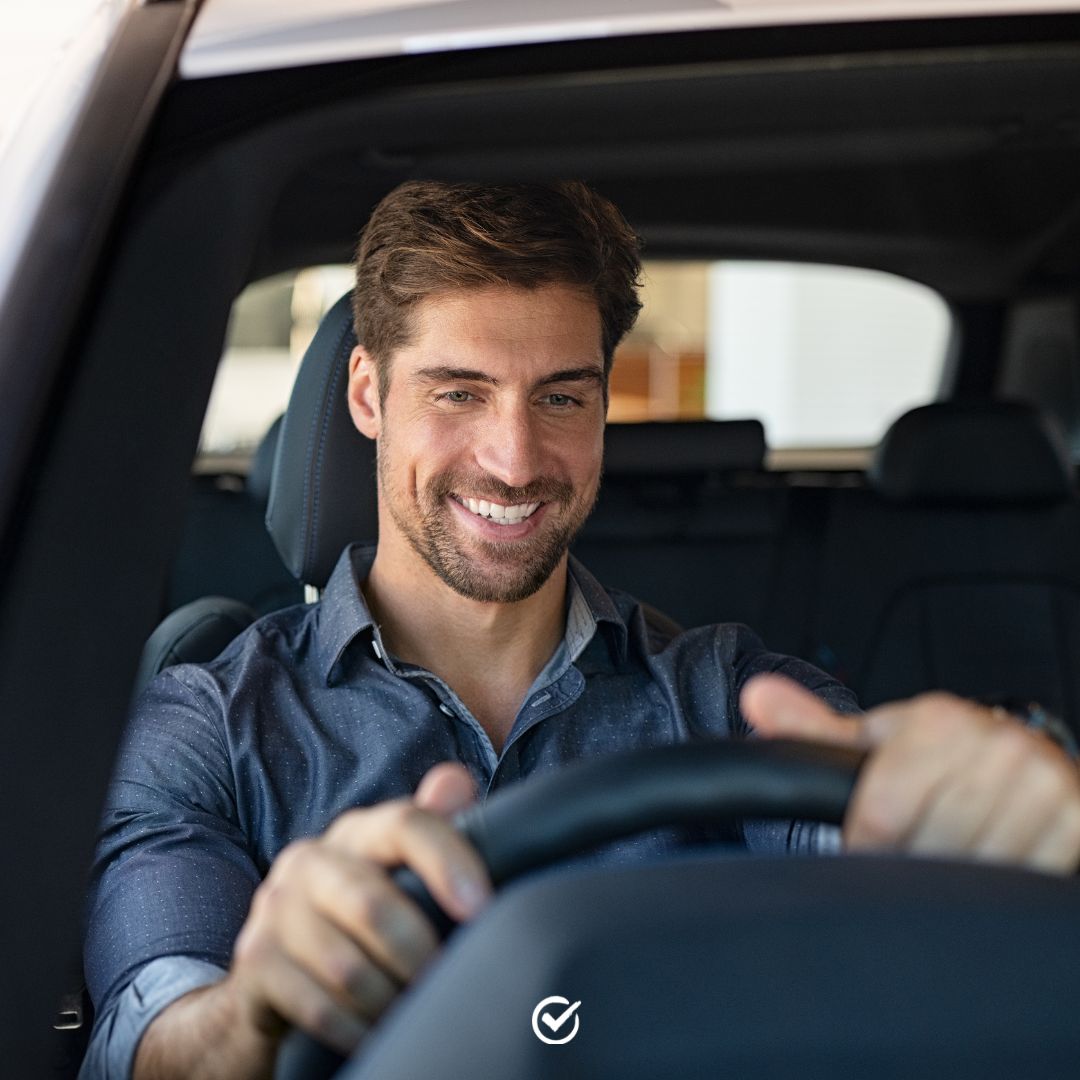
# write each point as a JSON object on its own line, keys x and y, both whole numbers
{"x": 489, "y": 653}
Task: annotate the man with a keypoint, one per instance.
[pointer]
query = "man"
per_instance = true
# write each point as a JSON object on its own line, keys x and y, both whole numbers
{"x": 242, "y": 883}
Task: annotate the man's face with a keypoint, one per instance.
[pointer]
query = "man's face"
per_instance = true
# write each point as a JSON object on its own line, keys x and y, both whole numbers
{"x": 490, "y": 439}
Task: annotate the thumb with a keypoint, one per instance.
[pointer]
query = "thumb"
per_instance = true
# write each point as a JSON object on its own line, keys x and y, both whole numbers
{"x": 778, "y": 707}
{"x": 445, "y": 789}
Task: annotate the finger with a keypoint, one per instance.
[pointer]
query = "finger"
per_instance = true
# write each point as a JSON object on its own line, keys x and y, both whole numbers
{"x": 294, "y": 995}
{"x": 937, "y": 716}
{"x": 400, "y": 833}
{"x": 778, "y": 707}
{"x": 920, "y": 750}
{"x": 964, "y": 804}
{"x": 1058, "y": 848}
{"x": 360, "y": 900}
{"x": 446, "y": 789}
{"x": 1044, "y": 791}
{"x": 352, "y": 966}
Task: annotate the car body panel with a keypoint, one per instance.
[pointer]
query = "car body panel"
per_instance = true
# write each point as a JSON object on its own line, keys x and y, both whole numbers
{"x": 233, "y": 36}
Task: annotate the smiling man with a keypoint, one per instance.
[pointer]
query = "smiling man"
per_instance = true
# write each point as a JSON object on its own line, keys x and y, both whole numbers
{"x": 242, "y": 882}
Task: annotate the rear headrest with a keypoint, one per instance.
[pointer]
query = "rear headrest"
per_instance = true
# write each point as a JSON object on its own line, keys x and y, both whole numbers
{"x": 683, "y": 446}
{"x": 322, "y": 494}
{"x": 973, "y": 452}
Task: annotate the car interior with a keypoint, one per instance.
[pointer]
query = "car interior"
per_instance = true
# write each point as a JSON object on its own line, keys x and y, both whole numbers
{"x": 943, "y": 151}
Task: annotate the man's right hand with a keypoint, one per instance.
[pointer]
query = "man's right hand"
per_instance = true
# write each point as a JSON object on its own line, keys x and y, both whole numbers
{"x": 330, "y": 941}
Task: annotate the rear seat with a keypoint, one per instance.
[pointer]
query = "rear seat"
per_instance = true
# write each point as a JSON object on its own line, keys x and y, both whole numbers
{"x": 960, "y": 567}
{"x": 687, "y": 520}
{"x": 956, "y": 567}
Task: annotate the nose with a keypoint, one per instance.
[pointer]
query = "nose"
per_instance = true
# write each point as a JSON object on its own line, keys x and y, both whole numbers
{"x": 510, "y": 446}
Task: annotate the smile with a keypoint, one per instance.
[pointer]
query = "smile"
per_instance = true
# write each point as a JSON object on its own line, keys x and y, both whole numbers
{"x": 493, "y": 511}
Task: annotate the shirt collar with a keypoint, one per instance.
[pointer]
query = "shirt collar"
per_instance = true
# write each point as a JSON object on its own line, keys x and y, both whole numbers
{"x": 344, "y": 614}
{"x": 343, "y": 611}
{"x": 596, "y": 607}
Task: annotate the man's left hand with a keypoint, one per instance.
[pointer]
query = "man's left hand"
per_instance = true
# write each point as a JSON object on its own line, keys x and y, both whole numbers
{"x": 945, "y": 776}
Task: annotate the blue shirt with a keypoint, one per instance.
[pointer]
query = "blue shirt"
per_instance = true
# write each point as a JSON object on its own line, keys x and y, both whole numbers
{"x": 306, "y": 715}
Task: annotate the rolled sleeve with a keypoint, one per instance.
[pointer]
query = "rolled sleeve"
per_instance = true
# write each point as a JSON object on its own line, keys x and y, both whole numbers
{"x": 173, "y": 875}
{"x": 111, "y": 1053}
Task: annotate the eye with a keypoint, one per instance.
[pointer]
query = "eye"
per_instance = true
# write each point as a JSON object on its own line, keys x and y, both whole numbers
{"x": 456, "y": 397}
{"x": 561, "y": 401}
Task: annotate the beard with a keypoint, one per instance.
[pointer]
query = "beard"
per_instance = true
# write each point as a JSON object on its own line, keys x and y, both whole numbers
{"x": 500, "y": 573}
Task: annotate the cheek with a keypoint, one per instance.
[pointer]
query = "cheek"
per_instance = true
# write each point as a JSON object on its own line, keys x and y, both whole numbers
{"x": 586, "y": 458}
{"x": 434, "y": 447}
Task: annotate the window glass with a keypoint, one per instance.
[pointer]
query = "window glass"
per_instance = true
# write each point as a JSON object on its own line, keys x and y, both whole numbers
{"x": 825, "y": 356}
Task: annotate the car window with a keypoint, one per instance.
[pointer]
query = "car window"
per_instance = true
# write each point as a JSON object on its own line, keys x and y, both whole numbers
{"x": 825, "y": 356}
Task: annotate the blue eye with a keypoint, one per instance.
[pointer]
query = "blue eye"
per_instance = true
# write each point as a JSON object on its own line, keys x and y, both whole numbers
{"x": 457, "y": 397}
{"x": 561, "y": 401}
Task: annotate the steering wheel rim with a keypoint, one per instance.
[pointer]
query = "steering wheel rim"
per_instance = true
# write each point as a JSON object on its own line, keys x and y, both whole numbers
{"x": 588, "y": 803}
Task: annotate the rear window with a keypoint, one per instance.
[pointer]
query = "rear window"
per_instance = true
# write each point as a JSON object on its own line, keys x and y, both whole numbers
{"x": 825, "y": 356}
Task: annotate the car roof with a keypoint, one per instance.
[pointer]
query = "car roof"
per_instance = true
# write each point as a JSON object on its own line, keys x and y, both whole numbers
{"x": 234, "y": 36}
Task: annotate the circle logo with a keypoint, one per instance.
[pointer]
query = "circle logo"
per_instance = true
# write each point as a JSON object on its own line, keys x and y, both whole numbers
{"x": 547, "y": 1023}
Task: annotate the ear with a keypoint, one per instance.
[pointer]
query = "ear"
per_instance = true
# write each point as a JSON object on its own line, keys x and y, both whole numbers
{"x": 364, "y": 393}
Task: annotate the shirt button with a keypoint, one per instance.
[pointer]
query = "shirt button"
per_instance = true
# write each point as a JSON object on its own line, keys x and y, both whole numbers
{"x": 446, "y": 709}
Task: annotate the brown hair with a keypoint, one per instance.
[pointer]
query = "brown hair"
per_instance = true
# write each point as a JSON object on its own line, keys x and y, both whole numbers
{"x": 428, "y": 237}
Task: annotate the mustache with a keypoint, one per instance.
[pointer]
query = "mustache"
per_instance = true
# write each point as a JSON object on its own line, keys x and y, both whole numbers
{"x": 483, "y": 486}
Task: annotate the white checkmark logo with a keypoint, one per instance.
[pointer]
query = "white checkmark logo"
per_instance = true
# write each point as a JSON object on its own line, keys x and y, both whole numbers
{"x": 556, "y": 1021}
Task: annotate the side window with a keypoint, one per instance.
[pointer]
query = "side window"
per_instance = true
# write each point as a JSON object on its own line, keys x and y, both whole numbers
{"x": 825, "y": 356}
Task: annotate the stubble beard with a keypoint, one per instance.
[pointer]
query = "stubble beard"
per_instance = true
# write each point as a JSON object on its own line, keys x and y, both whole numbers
{"x": 503, "y": 573}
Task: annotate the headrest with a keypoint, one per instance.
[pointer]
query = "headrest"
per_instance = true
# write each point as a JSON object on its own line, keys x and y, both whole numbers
{"x": 973, "y": 452}
{"x": 322, "y": 494}
{"x": 683, "y": 446}
{"x": 192, "y": 634}
{"x": 262, "y": 464}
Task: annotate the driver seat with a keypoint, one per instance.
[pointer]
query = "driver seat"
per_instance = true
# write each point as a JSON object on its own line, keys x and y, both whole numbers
{"x": 322, "y": 497}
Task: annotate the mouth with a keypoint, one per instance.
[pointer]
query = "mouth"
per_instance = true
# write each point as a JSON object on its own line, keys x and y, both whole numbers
{"x": 497, "y": 513}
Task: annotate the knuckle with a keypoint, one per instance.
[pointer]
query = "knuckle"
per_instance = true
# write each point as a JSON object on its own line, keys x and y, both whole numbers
{"x": 931, "y": 722}
{"x": 404, "y": 816}
{"x": 1013, "y": 742}
{"x": 250, "y": 946}
{"x": 358, "y": 980}
{"x": 938, "y": 707}
{"x": 291, "y": 857}
{"x": 346, "y": 821}
{"x": 368, "y": 906}
{"x": 268, "y": 899}
{"x": 346, "y": 975}
{"x": 318, "y": 1015}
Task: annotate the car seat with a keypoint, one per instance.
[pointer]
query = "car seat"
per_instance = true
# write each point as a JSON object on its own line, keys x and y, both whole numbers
{"x": 957, "y": 569}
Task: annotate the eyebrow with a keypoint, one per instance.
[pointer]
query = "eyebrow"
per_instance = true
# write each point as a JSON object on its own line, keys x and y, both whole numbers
{"x": 453, "y": 374}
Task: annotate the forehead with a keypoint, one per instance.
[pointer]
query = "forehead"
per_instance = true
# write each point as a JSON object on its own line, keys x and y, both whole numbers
{"x": 501, "y": 324}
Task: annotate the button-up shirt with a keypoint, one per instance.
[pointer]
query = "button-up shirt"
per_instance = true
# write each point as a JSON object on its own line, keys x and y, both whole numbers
{"x": 307, "y": 714}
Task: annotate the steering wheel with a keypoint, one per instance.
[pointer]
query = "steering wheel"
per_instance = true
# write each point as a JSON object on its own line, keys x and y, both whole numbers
{"x": 552, "y": 817}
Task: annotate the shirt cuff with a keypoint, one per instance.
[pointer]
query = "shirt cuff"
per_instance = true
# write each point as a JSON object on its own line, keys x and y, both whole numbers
{"x": 111, "y": 1052}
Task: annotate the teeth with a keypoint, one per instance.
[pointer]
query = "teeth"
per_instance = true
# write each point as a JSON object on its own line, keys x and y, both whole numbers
{"x": 501, "y": 515}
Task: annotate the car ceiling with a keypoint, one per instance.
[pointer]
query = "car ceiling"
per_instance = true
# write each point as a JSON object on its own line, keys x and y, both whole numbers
{"x": 947, "y": 151}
